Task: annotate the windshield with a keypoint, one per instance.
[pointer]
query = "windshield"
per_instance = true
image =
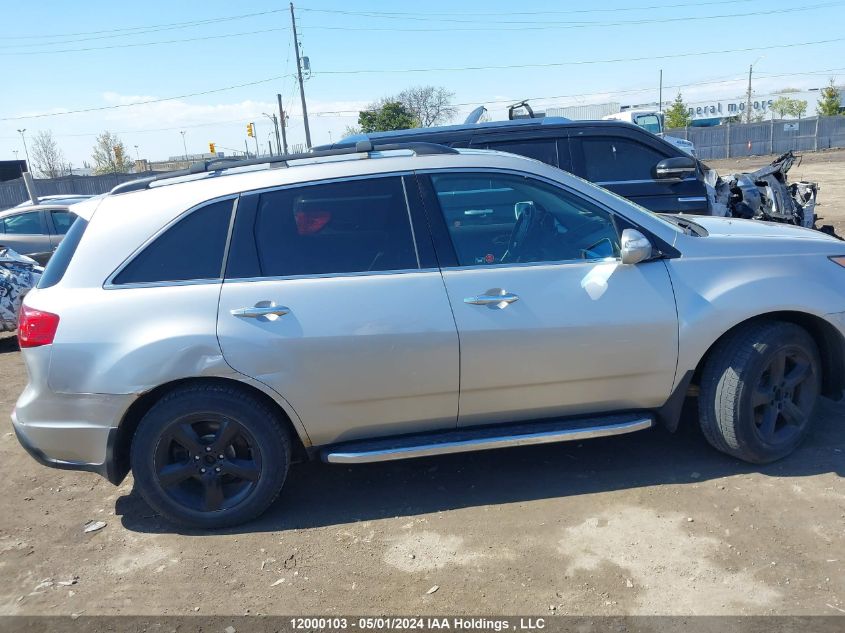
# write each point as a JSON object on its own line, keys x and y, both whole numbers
{"x": 650, "y": 122}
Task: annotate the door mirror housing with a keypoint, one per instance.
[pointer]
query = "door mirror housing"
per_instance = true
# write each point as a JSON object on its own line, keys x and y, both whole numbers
{"x": 635, "y": 247}
{"x": 675, "y": 168}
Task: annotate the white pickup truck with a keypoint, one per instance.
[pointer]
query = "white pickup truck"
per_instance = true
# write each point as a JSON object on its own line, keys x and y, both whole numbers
{"x": 653, "y": 121}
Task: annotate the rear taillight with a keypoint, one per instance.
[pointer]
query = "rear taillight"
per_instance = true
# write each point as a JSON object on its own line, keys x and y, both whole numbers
{"x": 36, "y": 327}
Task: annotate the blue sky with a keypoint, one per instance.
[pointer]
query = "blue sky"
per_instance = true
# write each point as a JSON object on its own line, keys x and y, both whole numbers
{"x": 137, "y": 52}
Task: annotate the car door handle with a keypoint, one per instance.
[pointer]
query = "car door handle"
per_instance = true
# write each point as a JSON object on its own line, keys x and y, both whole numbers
{"x": 498, "y": 298}
{"x": 260, "y": 311}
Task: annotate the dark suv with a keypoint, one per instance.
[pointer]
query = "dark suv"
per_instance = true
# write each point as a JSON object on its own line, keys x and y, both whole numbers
{"x": 619, "y": 156}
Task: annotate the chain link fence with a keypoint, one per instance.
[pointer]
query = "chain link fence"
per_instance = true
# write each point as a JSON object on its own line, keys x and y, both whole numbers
{"x": 732, "y": 140}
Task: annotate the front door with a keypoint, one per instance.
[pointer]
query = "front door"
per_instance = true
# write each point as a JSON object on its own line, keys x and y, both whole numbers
{"x": 550, "y": 322}
{"x": 625, "y": 165}
{"x": 329, "y": 300}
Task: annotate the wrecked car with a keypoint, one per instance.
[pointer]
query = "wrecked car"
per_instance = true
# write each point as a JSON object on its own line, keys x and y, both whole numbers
{"x": 765, "y": 194}
{"x": 18, "y": 275}
{"x": 631, "y": 162}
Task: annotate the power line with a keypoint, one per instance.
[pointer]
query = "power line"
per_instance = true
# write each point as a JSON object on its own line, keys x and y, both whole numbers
{"x": 723, "y": 79}
{"x": 177, "y": 41}
{"x": 118, "y": 32}
{"x": 145, "y": 102}
{"x": 567, "y": 12}
{"x": 577, "y": 62}
{"x": 515, "y": 25}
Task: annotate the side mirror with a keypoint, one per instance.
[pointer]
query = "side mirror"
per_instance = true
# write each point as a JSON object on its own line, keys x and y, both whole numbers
{"x": 675, "y": 168}
{"x": 635, "y": 247}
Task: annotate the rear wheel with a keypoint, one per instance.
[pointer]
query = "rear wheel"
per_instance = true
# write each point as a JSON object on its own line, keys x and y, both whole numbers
{"x": 759, "y": 390}
{"x": 209, "y": 456}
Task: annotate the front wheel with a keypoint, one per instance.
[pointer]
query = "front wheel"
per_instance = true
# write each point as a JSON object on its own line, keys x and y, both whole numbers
{"x": 210, "y": 456}
{"x": 759, "y": 391}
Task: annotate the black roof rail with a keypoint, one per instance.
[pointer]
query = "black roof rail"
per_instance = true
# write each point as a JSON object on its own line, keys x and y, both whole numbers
{"x": 220, "y": 164}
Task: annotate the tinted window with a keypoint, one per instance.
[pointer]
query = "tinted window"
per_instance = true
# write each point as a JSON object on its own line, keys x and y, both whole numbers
{"x": 545, "y": 150}
{"x": 24, "y": 224}
{"x": 190, "y": 249}
{"x": 499, "y": 218}
{"x": 344, "y": 227}
{"x": 62, "y": 221}
{"x": 60, "y": 260}
{"x": 609, "y": 159}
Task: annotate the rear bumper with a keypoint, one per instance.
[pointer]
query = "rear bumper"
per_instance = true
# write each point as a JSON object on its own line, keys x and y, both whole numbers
{"x": 71, "y": 431}
{"x": 107, "y": 468}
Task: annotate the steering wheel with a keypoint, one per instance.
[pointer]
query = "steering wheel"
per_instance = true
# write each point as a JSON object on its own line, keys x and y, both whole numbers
{"x": 519, "y": 231}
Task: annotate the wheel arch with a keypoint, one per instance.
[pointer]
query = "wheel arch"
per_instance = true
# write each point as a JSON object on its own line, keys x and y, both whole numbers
{"x": 830, "y": 343}
{"x": 122, "y": 441}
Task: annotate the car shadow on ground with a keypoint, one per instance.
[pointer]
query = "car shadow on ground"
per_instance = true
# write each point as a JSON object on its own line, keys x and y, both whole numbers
{"x": 317, "y": 495}
{"x": 8, "y": 343}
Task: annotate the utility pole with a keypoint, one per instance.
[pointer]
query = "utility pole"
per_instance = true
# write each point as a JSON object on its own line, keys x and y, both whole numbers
{"x": 26, "y": 151}
{"x": 660, "y": 93}
{"x": 275, "y": 121}
{"x": 246, "y": 149}
{"x": 282, "y": 122}
{"x": 299, "y": 75}
{"x": 748, "y": 101}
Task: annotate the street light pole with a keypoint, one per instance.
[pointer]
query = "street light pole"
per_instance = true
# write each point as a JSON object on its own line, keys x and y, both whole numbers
{"x": 25, "y": 149}
{"x": 184, "y": 145}
{"x": 137, "y": 154}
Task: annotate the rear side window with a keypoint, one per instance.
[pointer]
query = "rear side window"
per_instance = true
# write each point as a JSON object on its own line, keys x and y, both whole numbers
{"x": 610, "y": 159}
{"x": 190, "y": 249}
{"x": 343, "y": 227}
{"x": 23, "y": 224}
{"x": 542, "y": 150}
{"x": 60, "y": 260}
{"x": 62, "y": 221}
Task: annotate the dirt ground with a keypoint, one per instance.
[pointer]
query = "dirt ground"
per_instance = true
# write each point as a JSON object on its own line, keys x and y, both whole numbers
{"x": 649, "y": 523}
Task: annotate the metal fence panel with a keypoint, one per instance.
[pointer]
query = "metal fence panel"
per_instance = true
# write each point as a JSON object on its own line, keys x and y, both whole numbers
{"x": 13, "y": 192}
{"x": 766, "y": 137}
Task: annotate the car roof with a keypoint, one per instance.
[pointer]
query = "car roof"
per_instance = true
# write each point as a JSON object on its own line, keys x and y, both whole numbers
{"x": 520, "y": 125}
{"x": 34, "y": 207}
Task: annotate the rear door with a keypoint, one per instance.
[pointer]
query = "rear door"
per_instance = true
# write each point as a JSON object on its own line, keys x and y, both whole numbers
{"x": 550, "y": 147}
{"x": 624, "y": 162}
{"x": 550, "y": 322}
{"x": 333, "y": 298}
{"x": 27, "y": 234}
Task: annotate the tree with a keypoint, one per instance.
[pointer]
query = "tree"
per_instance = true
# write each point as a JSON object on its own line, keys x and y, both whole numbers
{"x": 831, "y": 101}
{"x": 110, "y": 155}
{"x": 787, "y": 105}
{"x": 430, "y": 105}
{"x": 385, "y": 116}
{"x": 678, "y": 115}
{"x": 47, "y": 157}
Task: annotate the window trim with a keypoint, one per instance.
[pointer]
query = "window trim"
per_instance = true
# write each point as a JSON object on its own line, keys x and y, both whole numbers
{"x": 254, "y": 194}
{"x": 452, "y": 255}
{"x": 109, "y": 284}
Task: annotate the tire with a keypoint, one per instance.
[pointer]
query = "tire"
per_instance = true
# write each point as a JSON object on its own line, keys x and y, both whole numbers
{"x": 759, "y": 391}
{"x": 210, "y": 456}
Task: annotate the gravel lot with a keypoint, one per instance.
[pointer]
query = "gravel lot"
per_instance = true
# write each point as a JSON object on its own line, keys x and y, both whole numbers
{"x": 650, "y": 523}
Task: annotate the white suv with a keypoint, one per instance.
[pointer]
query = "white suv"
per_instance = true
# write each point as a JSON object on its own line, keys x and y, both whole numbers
{"x": 208, "y": 328}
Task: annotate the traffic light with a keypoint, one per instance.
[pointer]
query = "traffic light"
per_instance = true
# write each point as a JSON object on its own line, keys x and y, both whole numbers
{"x": 250, "y": 130}
{"x": 211, "y": 148}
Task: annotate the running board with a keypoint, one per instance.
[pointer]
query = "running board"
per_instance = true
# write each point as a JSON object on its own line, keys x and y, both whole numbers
{"x": 483, "y": 438}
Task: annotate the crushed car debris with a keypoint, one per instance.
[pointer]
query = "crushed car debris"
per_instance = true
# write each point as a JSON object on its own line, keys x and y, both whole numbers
{"x": 18, "y": 275}
{"x": 765, "y": 194}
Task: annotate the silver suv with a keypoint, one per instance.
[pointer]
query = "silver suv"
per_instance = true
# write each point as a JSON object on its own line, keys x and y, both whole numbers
{"x": 208, "y": 329}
